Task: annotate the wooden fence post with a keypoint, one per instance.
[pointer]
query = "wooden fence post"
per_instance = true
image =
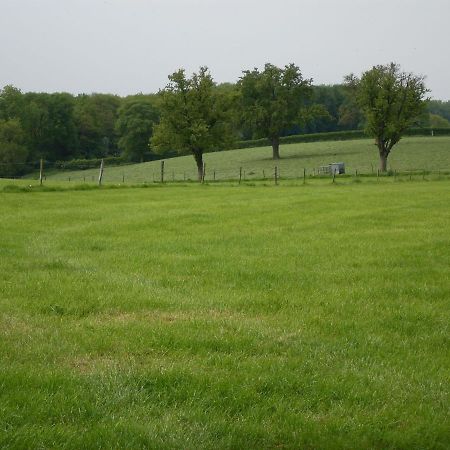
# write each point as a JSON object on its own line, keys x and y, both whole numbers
{"x": 41, "y": 171}
{"x": 240, "y": 174}
{"x": 162, "y": 171}
{"x": 276, "y": 175}
{"x": 304, "y": 175}
{"x": 100, "y": 175}
{"x": 334, "y": 175}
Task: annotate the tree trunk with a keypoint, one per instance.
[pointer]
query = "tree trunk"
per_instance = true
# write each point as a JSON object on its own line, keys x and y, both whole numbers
{"x": 198, "y": 155}
{"x": 383, "y": 162}
{"x": 276, "y": 148}
{"x": 384, "y": 153}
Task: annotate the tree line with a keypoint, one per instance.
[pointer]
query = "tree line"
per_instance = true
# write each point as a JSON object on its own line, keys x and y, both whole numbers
{"x": 195, "y": 115}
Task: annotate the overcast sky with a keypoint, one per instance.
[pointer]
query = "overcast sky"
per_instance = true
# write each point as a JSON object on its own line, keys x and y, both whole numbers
{"x": 130, "y": 46}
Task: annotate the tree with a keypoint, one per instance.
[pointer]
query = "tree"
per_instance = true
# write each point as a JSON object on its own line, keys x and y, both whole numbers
{"x": 95, "y": 118}
{"x": 13, "y": 153}
{"x": 391, "y": 101}
{"x": 193, "y": 117}
{"x": 48, "y": 123}
{"x": 134, "y": 125}
{"x": 271, "y": 101}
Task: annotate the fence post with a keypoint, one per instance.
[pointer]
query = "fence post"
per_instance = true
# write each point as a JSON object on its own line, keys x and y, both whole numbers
{"x": 378, "y": 174}
{"x": 240, "y": 174}
{"x": 203, "y": 172}
{"x": 276, "y": 175}
{"x": 356, "y": 172}
{"x": 162, "y": 171}
{"x": 100, "y": 175}
{"x": 123, "y": 178}
{"x": 304, "y": 175}
{"x": 334, "y": 175}
{"x": 214, "y": 174}
{"x": 41, "y": 171}
{"x": 84, "y": 179}
{"x": 264, "y": 174}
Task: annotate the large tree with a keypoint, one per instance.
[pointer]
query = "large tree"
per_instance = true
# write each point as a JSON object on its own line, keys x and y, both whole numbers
{"x": 193, "y": 117}
{"x": 391, "y": 101}
{"x": 137, "y": 116}
{"x": 13, "y": 153}
{"x": 95, "y": 117}
{"x": 272, "y": 100}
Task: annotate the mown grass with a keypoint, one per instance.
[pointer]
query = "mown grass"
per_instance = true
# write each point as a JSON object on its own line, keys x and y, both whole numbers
{"x": 226, "y": 317}
{"x": 418, "y": 153}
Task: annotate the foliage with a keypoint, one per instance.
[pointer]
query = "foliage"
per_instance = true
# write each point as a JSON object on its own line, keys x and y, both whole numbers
{"x": 193, "y": 117}
{"x": 437, "y": 121}
{"x": 13, "y": 153}
{"x": 271, "y": 100}
{"x": 95, "y": 117}
{"x": 440, "y": 108}
{"x": 135, "y": 123}
{"x": 391, "y": 101}
{"x": 84, "y": 164}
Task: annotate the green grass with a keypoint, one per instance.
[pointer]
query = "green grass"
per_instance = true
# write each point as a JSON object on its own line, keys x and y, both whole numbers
{"x": 220, "y": 316}
{"x": 420, "y": 153}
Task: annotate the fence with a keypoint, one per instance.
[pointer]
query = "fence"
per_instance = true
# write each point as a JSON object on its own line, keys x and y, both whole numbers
{"x": 163, "y": 173}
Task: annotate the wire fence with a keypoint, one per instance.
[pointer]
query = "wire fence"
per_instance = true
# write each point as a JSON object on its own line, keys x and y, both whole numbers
{"x": 163, "y": 173}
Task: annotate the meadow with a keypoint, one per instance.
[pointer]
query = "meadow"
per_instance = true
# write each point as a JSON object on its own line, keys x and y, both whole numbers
{"x": 410, "y": 154}
{"x": 221, "y": 316}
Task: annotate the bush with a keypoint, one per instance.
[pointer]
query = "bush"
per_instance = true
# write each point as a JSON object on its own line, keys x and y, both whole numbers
{"x": 83, "y": 164}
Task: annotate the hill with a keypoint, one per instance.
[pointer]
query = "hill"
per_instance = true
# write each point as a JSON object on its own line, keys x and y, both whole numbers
{"x": 412, "y": 153}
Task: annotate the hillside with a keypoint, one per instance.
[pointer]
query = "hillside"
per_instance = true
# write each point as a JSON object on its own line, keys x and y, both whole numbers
{"x": 415, "y": 153}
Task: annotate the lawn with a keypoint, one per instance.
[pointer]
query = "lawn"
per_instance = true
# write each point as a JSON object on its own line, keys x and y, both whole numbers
{"x": 223, "y": 316}
{"x": 419, "y": 153}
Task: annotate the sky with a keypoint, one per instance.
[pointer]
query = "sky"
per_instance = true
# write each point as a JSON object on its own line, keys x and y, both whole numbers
{"x": 129, "y": 46}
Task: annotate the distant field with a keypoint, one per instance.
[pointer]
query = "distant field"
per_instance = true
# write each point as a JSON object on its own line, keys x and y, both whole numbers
{"x": 218, "y": 316}
{"x": 419, "y": 153}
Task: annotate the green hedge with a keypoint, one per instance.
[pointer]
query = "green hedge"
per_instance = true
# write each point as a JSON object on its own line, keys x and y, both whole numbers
{"x": 83, "y": 164}
{"x": 336, "y": 136}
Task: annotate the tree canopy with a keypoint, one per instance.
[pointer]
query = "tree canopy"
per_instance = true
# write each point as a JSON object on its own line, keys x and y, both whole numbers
{"x": 136, "y": 119}
{"x": 193, "y": 117}
{"x": 391, "y": 101}
{"x": 271, "y": 101}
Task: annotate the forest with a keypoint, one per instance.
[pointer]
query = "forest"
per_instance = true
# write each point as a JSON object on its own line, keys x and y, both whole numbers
{"x": 61, "y": 127}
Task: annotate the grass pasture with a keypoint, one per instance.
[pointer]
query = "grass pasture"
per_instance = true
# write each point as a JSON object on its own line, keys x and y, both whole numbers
{"x": 219, "y": 316}
{"x": 410, "y": 154}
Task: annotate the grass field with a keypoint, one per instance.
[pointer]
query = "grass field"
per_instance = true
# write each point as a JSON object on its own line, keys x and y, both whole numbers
{"x": 419, "y": 153}
{"x": 226, "y": 317}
